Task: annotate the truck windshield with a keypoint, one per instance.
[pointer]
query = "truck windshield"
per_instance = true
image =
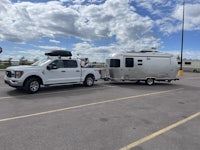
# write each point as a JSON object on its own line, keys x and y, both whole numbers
{"x": 41, "y": 62}
{"x": 115, "y": 63}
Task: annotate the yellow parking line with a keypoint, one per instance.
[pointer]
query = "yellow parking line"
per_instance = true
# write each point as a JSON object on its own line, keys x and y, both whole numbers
{"x": 155, "y": 134}
{"x": 85, "y": 105}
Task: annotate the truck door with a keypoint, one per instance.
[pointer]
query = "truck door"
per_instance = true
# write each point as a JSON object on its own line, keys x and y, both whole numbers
{"x": 56, "y": 73}
{"x": 73, "y": 72}
{"x": 63, "y": 71}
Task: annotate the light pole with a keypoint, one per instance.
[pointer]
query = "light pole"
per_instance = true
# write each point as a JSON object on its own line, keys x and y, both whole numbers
{"x": 180, "y": 72}
{"x": 1, "y": 50}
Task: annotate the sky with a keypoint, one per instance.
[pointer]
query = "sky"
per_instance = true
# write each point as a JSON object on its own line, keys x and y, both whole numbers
{"x": 97, "y": 28}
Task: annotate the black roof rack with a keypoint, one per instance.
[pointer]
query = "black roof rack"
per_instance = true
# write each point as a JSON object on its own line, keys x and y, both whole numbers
{"x": 59, "y": 53}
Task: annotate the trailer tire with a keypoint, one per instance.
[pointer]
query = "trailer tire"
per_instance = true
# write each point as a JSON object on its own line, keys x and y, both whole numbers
{"x": 32, "y": 85}
{"x": 89, "y": 81}
{"x": 195, "y": 70}
{"x": 149, "y": 81}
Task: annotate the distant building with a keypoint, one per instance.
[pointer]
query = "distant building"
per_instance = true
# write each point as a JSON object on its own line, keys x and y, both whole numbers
{"x": 15, "y": 63}
{"x": 191, "y": 65}
{"x": 7, "y": 63}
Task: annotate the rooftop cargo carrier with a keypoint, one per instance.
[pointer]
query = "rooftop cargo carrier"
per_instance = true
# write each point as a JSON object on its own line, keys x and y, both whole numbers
{"x": 62, "y": 53}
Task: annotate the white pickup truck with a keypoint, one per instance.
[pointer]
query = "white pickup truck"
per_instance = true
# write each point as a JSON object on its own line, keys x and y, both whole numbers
{"x": 56, "y": 69}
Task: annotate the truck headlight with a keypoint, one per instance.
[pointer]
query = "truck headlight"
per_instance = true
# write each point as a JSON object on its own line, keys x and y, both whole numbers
{"x": 18, "y": 74}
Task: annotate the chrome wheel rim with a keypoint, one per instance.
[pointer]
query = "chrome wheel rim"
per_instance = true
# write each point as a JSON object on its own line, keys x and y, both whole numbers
{"x": 89, "y": 81}
{"x": 34, "y": 86}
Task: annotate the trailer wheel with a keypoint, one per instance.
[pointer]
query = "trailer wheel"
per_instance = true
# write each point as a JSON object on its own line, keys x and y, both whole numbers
{"x": 89, "y": 81}
{"x": 150, "y": 81}
{"x": 195, "y": 70}
{"x": 32, "y": 85}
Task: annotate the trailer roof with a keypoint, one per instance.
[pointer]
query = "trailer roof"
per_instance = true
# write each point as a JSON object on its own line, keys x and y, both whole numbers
{"x": 142, "y": 54}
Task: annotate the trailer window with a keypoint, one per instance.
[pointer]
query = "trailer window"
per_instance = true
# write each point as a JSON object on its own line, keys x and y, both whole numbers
{"x": 129, "y": 62}
{"x": 114, "y": 63}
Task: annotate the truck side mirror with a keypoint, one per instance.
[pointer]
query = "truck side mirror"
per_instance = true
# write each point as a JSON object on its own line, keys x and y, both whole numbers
{"x": 52, "y": 66}
{"x": 48, "y": 67}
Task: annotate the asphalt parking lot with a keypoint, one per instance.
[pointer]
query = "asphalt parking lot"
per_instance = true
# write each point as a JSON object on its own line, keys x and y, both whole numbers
{"x": 108, "y": 116}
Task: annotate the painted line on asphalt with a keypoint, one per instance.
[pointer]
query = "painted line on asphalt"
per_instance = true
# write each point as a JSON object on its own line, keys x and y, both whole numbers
{"x": 162, "y": 131}
{"x": 192, "y": 78}
{"x": 86, "y": 105}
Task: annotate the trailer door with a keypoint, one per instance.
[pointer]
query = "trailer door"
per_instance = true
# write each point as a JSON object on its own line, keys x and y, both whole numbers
{"x": 129, "y": 68}
{"x": 115, "y": 70}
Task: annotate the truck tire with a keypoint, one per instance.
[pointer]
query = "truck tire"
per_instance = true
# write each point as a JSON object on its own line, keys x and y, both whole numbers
{"x": 149, "y": 81}
{"x": 32, "y": 85}
{"x": 89, "y": 81}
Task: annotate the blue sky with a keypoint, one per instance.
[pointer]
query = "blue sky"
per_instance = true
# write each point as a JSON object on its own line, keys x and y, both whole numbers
{"x": 96, "y": 28}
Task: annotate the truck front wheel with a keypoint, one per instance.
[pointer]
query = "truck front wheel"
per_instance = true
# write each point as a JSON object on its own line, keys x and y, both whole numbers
{"x": 89, "y": 81}
{"x": 32, "y": 85}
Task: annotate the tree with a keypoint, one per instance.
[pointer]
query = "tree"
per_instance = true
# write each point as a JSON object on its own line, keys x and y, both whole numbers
{"x": 36, "y": 59}
{"x": 9, "y": 61}
{"x": 23, "y": 61}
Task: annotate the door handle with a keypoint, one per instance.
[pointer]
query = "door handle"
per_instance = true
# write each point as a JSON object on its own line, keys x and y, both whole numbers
{"x": 77, "y": 70}
{"x": 63, "y": 71}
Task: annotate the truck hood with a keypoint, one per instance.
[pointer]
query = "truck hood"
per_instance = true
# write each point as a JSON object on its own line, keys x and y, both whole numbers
{"x": 23, "y": 67}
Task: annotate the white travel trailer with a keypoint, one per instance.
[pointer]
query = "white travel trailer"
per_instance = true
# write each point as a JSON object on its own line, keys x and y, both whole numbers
{"x": 148, "y": 66}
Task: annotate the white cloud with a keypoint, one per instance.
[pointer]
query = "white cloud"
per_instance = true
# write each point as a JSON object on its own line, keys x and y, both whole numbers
{"x": 52, "y": 48}
{"x": 94, "y": 53}
{"x": 152, "y": 5}
{"x": 29, "y": 55}
{"x": 192, "y": 16}
{"x": 24, "y": 21}
{"x": 173, "y": 22}
{"x": 54, "y": 41}
{"x": 110, "y": 19}
{"x": 187, "y": 53}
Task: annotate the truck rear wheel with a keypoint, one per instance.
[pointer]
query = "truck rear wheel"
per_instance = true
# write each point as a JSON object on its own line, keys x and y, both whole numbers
{"x": 150, "y": 81}
{"x": 89, "y": 81}
{"x": 32, "y": 85}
